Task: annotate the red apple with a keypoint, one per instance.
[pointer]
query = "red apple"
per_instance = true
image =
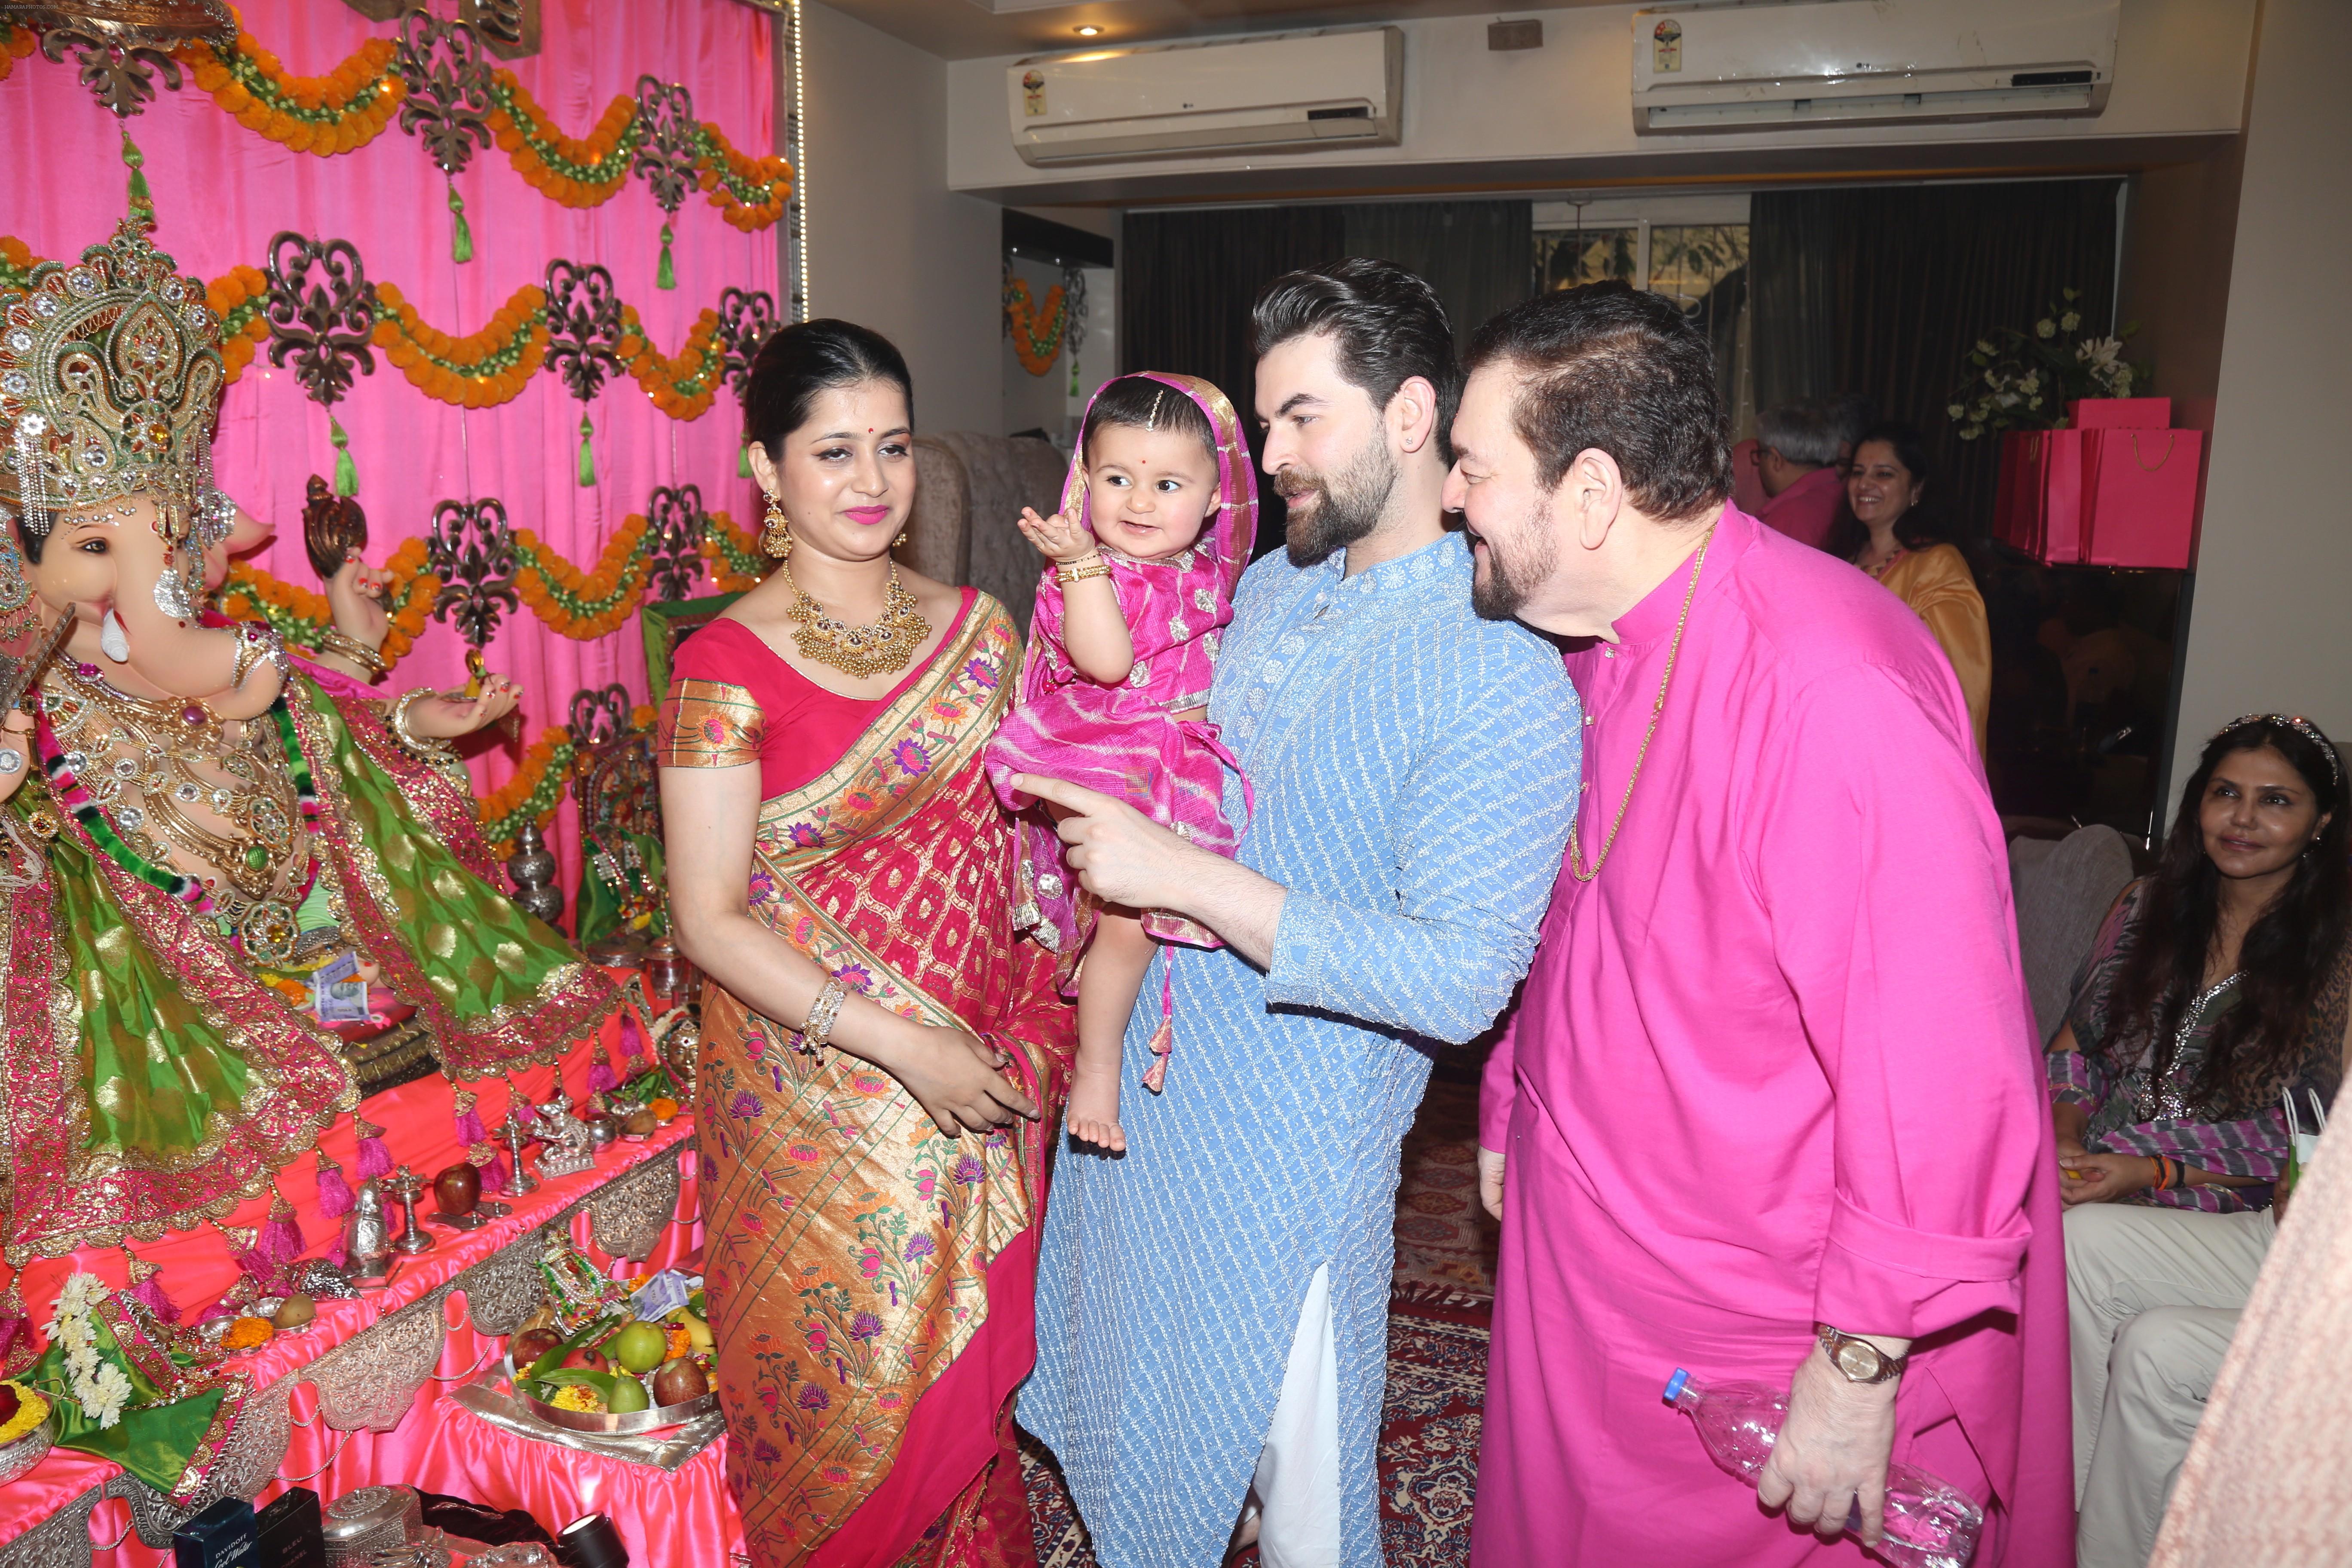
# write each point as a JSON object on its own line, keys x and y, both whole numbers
{"x": 588, "y": 1359}
{"x": 458, "y": 1188}
{"x": 531, "y": 1345}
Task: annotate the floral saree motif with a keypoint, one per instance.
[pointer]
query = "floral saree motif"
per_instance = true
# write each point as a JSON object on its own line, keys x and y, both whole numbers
{"x": 871, "y": 1278}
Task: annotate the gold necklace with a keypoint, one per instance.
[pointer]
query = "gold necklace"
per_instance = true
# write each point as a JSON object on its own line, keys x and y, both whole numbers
{"x": 1673, "y": 650}
{"x": 142, "y": 759}
{"x": 883, "y": 648}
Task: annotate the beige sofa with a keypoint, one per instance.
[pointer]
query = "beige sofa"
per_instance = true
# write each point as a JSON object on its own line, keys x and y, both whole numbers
{"x": 969, "y": 492}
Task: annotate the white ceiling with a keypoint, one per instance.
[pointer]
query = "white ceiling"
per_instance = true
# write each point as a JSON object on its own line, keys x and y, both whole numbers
{"x": 971, "y": 29}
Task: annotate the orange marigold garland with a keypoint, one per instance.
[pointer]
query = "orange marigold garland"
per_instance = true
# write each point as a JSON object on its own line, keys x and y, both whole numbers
{"x": 578, "y": 172}
{"x": 479, "y": 371}
{"x": 1036, "y": 329}
{"x": 733, "y": 554}
{"x": 16, "y": 43}
{"x": 749, "y": 192}
{"x": 531, "y": 794}
{"x": 584, "y": 604}
{"x": 347, "y": 107}
{"x": 238, "y": 296}
{"x": 300, "y": 615}
{"x": 682, "y": 387}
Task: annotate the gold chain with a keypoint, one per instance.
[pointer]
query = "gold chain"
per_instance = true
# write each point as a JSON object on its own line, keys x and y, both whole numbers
{"x": 883, "y": 648}
{"x": 1673, "y": 650}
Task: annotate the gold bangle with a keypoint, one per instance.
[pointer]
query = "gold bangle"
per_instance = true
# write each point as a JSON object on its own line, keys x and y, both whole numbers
{"x": 1090, "y": 564}
{"x": 417, "y": 746}
{"x": 335, "y": 640}
{"x": 817, "y": 1033}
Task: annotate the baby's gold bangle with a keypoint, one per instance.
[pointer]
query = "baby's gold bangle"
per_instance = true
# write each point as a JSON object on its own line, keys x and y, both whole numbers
{"x": 1091, "y": 564}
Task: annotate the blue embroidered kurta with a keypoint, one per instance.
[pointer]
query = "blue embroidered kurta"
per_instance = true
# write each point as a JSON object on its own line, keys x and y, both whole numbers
{"x": 1414, "y": 768}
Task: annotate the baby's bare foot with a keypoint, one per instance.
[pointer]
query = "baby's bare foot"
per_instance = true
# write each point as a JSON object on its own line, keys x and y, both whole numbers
{"x": 1093, "y": 1115}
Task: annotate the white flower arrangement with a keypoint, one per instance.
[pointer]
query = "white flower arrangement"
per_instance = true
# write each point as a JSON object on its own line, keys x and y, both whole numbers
{"x": 2027, "y": 383}
{"x": 99, "y": 1387}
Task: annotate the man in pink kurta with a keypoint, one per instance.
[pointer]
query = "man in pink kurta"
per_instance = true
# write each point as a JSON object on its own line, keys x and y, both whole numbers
{"x": 1774, "y": 1069}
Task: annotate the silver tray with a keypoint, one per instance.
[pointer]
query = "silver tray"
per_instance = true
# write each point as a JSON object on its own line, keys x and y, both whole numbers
{"x": 28, "y": 1449}
{"x": 652, "y": 1420}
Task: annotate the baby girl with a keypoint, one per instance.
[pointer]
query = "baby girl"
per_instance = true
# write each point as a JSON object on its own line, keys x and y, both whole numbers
{"x": 1157, "y": 519}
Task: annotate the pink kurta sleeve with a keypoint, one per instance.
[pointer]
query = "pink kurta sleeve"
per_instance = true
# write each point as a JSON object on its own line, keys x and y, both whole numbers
{"x": 1497, "y": 1089}
{"x": 1891, "y": 919}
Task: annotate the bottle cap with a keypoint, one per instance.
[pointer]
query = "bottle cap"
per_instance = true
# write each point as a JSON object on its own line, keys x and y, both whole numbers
{"x": 1676, "y": 1383}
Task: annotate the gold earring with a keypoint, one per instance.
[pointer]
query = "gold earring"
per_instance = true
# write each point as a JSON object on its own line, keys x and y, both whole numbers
{"x": 900, "y": 542}
{"x": 775, "y": 537}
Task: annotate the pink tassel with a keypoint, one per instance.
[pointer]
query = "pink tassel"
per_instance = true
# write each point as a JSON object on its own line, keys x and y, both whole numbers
{"x": 1163, "y": 1038}
{"x": 16, "y": 1351}
{"x": 250, "y": 1258}
{"x": 469, "y": 1121}
{"x": 484, "y": 1157}
{"x": 335, "y": 1198}
{"x": 375, "y": 1159}
{"x": 282, "y": 1237}
{"x": 600, "y": 1075}
{"x": 148, "y": 1291}
{"x": 634, "y": 1064}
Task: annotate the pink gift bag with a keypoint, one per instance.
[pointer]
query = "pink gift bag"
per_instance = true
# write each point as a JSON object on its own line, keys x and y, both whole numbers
{"x": 2140, "y": 490}
{"x": 2119, "y": 413}
{"x": 2038, "y": 501}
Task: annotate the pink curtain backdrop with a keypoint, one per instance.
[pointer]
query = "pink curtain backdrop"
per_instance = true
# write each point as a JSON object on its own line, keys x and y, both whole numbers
{"x": 221, "y": 191}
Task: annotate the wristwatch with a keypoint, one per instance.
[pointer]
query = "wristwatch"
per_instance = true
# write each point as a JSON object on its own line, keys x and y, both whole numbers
{"x": 1858, "y": 1359}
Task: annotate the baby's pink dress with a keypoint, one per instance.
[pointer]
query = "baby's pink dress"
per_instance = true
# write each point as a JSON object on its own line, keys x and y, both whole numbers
{"x": 1125, "y": 739}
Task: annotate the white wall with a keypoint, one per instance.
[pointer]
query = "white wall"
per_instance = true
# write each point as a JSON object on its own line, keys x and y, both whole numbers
{"x": 1562, "y": 114}
{"x": 2271, "y": 628}
{"x": 889, "y": 245}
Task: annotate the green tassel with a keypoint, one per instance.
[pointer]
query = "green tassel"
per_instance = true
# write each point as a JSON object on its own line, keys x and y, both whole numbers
{"x": 347, "y": 473}
{"x": 461, "y": 243}
{"x": 666, "y": 274}
{"x": 141, "y": 199}
{"x": 743, "y": 461}
{"x": 587, "y": 458}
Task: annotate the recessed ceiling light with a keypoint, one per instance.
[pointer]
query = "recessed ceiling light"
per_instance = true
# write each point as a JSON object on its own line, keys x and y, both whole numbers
{"x": 1088, "y": 31}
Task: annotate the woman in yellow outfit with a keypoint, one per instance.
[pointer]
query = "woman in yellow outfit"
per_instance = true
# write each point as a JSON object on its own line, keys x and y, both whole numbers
{"x": 1883, "y": 490}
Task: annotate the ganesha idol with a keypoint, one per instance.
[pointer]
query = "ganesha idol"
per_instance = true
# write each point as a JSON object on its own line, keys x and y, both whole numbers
{"x": 195, "y": 821}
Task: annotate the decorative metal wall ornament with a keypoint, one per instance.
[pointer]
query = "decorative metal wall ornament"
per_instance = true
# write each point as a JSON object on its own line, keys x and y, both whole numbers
{"x": 583, "y": 333}
{"x": 117, "y": 42}
{"x": 666, "y": 157}
{"x": 321, "y": 313}
{"x": 471, "y": 548}
{"x": 448, "y": 103}
{"x": 597, "y": 716}
{"x": 509, "y": 28}
{"x": 677, "y": 523}
{"x": 746, "y": 317}
{"x": 1074, "y": 318}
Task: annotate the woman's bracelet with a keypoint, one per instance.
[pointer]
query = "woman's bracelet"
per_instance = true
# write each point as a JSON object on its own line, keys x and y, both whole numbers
{"x": 2169, "y": 1172}
{"x": 818, "y": 1031}
{"x": 416, "y": 745}
{"x": 1090, "y": 564}
{"x": 345, "y": 646}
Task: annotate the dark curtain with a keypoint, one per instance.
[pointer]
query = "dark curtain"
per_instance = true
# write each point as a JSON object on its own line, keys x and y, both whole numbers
{"x": 1187, "y": 280}
{"x": 1882, "y": 291}
{"x": 1476, "y": 255}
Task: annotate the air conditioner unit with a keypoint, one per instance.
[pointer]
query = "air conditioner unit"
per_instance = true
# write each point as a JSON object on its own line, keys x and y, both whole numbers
{"x": 1842, "y": 62}
{"x": 1279, "y": 93}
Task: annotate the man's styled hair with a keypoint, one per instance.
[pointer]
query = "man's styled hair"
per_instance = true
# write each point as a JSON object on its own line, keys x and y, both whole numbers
{"x": 1800, "y": 432}
{"x": 1385, "y": 322}
{"x": 1611, "y": 368}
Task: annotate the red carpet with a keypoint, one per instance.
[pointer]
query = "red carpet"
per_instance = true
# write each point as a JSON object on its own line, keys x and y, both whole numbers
{"x": 1438, "y": 1317}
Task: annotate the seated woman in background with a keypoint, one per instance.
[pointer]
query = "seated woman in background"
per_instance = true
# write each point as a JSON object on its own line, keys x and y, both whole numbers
{"x": 2218, "y": 986}
{"x": 1886, "y": 537}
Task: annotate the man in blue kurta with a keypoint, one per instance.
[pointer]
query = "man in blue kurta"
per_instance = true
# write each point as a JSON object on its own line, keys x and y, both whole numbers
{"x": 1211, "y": 1314}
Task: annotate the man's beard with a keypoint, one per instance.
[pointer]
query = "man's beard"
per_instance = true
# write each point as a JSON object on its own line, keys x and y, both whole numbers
{"x": 1502, "y": 590}
{"x": 1349, "y": 505}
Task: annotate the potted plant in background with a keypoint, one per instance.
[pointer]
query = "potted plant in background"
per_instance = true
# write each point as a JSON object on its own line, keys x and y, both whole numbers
{"x": 2032, "y": 380}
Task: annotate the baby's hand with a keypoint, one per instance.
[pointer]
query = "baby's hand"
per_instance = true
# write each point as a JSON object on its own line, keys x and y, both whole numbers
{"x": 1056, "y": 537}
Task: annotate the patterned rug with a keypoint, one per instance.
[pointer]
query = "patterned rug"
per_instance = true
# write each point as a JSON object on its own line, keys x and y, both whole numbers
{"x": 1438, "y": 1316}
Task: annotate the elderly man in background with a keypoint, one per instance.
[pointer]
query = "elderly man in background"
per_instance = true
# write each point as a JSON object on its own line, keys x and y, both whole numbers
{"x": 1799, "y": 459}
{"x": 1771, "y": 1108}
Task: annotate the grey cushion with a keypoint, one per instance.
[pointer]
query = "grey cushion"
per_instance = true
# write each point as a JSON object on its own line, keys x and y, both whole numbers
{"x": 2064, "y": 890}
{"x": 969, "y": 492}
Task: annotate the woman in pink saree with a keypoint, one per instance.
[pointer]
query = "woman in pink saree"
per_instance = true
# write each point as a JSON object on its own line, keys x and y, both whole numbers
{"x": 881, "y": 1053}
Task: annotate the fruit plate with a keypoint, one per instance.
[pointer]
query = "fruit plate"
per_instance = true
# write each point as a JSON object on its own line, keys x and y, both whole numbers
{"x": 605, "y": 1421}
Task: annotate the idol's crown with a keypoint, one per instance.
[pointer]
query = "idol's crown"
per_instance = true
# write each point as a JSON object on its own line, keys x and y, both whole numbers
{"x": 110, "y": 378}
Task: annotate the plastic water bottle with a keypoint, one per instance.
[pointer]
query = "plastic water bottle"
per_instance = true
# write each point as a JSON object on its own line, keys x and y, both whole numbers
{"x": 1929, "y": 1522}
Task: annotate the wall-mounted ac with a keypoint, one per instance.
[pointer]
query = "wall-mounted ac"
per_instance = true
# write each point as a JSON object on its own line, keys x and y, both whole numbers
{"x": 1840, "y": 62}
{"x": 1280, "y": 93}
